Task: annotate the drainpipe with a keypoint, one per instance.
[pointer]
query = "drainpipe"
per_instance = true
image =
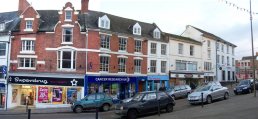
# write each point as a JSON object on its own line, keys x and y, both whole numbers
{"x": 8, "y": 67}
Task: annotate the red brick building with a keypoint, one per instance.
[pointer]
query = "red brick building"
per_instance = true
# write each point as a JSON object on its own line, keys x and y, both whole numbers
{"x": 58, "y": 56}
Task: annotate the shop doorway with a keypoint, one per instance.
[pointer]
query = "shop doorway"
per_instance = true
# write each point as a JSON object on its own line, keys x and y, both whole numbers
{"x": 123, "y": 91}
{"x": 193, "y": 83}
{"x": 27, "y": 92}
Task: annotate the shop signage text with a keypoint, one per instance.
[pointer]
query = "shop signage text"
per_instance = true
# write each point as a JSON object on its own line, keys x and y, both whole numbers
{"x": 46, "y": 81}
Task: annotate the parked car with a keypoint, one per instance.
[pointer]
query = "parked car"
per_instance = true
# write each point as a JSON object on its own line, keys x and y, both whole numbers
{"x": 211, "y": 91}
{"x": 245, "y": 86}
{"x": 91, "y": 101}
{"x": 179, "y": 91}
{"x": 145, "y": 102}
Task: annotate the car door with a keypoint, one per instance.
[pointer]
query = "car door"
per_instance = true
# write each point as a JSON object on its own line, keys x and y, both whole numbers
{"x": 163, "y": 99}
{"x": 89, "y": 101}
{"x": 177, "y": 91}
{"x": 183, "y": 91}
{"x": 149, "y": 103}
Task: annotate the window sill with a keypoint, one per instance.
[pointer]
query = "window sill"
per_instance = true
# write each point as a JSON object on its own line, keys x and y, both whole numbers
{"x": 121, "y": 72}
{"x": 27, "y": 68}
{"x": 27, "y": 52}
{"x": 103, "y": 72}
{"x": 28, "y": 30}
{"x": 105, "y": 49}
{"x": 137, "y": 73}
{"x": 67, "y": 43}
{"x": 122, "y": 51}
{"x": 68, "y": 20}
{"x": 138, "y": 53}
{"x": 66, "y": 70}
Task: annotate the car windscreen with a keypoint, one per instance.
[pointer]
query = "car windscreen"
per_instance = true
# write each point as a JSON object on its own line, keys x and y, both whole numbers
{"x": 203, "y": 88}
{"x": 138, "y": 97}
{"x": 243, "y": 82}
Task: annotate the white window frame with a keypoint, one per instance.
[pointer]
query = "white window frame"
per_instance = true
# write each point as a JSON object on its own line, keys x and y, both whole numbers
{"x": 137, "y": 29}
{"x": 121, "y": 65}
{"x": 191, "y": 50}
{"x": 28, "y": 46}
{"x": 122, "y": 44}
{"x": 68, "y": 15}
{"x": 163, "y": 49}
{"x": 137, "y": 48}
{"x": 29, "y": 24}
{"x": 104, "y": 66}
{"x": 222, "y": 48}
{"x": 72, "y": 59}
{"x": 163, "y": 65}
{"x": 137, "y": 65}
{"x": 153, "y": 48}
{"x": 23, "y": 66}
{"x": 104, "y": 41}
{"x": 64, "y": 35}
{"x": 233, "y": 61}
{"x": 228, "y": 62}
{"x": 180, "y": 48}
{"x": 104, "y": 22}
{"x": 156, "y": 33}
{"x": 222, "y": 59}
{"x": 218, "y": 59}
{"x": 2, "y": 26}
{"x": 153, "y": 66}
{"x": 3, "y": 49}
{"x": 227, "y": 49}
{"x": 208, "y": 43}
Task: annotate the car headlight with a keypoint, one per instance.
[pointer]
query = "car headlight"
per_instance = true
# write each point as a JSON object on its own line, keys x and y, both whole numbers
{"x": 121, "y": 108}
{"x": 245, "y": 88}
{"x": 234, "y": 88}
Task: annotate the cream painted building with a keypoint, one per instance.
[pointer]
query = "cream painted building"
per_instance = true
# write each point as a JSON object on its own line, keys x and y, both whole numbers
{"x": 224, "y": 56}
{"x": 185, "y": 61}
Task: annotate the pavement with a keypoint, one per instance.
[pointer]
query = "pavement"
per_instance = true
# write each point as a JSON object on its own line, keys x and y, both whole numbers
{"x": 22, "y": 110}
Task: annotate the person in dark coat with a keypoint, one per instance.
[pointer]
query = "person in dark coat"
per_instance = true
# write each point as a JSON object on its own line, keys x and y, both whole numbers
{"x": 162, "y": 88}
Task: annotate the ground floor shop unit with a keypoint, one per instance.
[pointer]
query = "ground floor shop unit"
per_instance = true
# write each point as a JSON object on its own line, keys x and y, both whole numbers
{"x": 2, "y": 95}
{"x": 119, "y": 87}
{"x": 154, "y": 82}
{"x": 44, "y": 92}
{"x": 191, "y": 78}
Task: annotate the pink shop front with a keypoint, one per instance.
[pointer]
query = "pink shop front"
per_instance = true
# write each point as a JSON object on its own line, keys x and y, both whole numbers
{"x": 44, "y": 92}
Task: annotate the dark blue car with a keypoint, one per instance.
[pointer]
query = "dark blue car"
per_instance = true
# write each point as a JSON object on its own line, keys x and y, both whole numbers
{"x": 244, "y": 87}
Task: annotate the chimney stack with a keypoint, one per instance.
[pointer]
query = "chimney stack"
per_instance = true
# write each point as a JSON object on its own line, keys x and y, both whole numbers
{"x": 84, "y": 6}
{"x": 23, "y": 4}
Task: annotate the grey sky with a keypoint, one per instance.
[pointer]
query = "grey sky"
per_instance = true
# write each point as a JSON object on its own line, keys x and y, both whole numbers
{"x": 172, "y": 16}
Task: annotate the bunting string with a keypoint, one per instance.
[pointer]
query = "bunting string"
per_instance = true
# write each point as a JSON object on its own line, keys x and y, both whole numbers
{"x": 236, "y": 6}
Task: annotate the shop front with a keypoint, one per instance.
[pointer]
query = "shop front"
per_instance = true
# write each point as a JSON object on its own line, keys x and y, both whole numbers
{"x": 191, "y": 78}
{"x": 154, "y": 82}
{"x": 120, "y": 87}
{"x": 2, "y": 95}
{"x": 44, "y": 92}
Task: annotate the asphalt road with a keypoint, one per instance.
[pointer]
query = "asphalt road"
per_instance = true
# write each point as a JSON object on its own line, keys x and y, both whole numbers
{"x": 236, "y": 107}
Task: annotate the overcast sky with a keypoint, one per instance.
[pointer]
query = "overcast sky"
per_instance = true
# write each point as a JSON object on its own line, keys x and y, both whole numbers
{"x": 172, "y": 16}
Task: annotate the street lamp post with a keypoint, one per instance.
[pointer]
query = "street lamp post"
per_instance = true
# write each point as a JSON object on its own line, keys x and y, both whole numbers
{"x": 251, "y": 22}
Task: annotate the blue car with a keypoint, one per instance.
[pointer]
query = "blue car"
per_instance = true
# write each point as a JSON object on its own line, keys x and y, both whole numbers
{"x": 91, "y": 101}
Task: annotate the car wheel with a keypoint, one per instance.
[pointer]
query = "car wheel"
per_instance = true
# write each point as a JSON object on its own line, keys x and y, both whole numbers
{"x": 209, "y": 99}
{"x": 105, "y": 107}
{"x": 169, "y": 108}
{"x": 132, "y": 114}
{"x": 78, "y": 109}
{"x": 226, "y": 96}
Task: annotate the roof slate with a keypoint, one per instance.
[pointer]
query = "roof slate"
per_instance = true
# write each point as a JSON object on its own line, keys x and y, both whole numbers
{"x": 214, "y": 36}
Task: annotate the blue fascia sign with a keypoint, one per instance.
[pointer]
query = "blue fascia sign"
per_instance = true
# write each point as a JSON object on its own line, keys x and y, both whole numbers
{"x": 114, "y": 79}
{"x": 158, "y": 77}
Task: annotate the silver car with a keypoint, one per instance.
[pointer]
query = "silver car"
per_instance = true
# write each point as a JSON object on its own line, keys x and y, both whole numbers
{"x": 210, "y": 92}
{"x": 180, "y": 91}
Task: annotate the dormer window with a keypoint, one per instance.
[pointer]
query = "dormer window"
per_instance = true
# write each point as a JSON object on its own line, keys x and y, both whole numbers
{"x": 2, "y": 26}
{"x": 29, "y": 24}
{"x": 156, "y": 33}
{"x": 68, "y": 15}
{"x": 137, "y": 29}
{"x": 104, "y": 22}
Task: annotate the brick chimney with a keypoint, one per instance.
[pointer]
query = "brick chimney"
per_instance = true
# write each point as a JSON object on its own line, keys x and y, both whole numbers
{"x": 23, "y": 4}
{"x": 84, "y": 6}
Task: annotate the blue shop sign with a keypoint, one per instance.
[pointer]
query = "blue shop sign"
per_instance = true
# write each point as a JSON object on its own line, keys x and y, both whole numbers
{"x": 158, "y": 77}
{"x": 113, "y": 79}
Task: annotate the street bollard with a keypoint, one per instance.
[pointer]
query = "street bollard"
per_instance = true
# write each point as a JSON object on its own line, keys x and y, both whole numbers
{"x": 202, "y": 99}
{"x": 159, "y": 107}
{"x": 27, "y": 101}
{"x": 29, "y": 112}
{"x": 97, "y": 112}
